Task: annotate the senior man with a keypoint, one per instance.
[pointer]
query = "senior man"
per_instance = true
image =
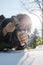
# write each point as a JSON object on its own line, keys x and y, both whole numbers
{"x": 13, "y": 32}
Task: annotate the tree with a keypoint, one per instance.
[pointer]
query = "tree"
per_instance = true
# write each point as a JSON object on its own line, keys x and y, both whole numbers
{"x": 33, "y": 38}
{"x": 33, "y": 6}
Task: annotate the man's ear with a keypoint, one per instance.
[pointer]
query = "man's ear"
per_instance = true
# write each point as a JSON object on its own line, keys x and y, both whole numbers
{"x": 10, "y": 27}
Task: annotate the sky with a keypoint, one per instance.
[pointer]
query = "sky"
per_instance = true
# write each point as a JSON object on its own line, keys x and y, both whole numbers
{"x": 10, "y": 7}
{"x": 13, "y": 7}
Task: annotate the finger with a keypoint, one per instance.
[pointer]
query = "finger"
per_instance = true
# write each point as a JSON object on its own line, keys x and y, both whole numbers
{"x": 24, "y": 37}
{"x": 24, "y": 40}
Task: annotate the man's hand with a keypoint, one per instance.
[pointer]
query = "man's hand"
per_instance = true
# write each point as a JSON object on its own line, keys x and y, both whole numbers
{"x": 10, "y": 27}
{"x": 23, "y": 38}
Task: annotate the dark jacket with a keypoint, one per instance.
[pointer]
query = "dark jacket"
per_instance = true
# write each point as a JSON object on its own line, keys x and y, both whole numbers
{"x": 11, "y": 39}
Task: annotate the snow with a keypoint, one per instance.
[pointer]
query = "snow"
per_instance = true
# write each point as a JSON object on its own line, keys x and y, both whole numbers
{"x": 31, "y": 57}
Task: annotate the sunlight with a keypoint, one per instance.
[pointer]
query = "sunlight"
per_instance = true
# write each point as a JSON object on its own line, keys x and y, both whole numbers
{"x": 35, "y": 22}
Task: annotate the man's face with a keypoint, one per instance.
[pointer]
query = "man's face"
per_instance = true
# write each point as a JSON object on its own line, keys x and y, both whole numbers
{"x": 23, "y": 24}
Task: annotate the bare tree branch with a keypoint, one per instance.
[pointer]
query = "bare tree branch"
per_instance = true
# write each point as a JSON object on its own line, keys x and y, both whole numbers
{"x": 33, "y": 9}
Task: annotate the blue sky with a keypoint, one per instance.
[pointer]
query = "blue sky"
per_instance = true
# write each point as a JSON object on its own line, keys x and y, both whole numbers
{"x": 10, "y": 7}
{"x": 13, "y": 7}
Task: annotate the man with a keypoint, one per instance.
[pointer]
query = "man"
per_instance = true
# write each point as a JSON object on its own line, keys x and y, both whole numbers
{"x": 14, "y": 32}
